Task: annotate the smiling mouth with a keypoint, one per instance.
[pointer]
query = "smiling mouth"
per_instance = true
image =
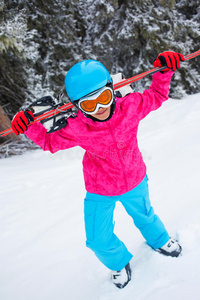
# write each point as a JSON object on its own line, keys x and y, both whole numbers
{"x": 102, "y": 112}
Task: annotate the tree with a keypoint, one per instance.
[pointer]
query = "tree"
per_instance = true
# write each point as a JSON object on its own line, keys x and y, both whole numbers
{"x": 12, "y": 85}
{"x": 5, "y": 124}
{"x": 128, "y": 37}
{"x": 40, "y": 42}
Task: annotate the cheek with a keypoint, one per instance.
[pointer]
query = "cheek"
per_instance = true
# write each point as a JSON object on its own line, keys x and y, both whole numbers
{"x": 108, "y": 112}
{"x": 106, "y": 115}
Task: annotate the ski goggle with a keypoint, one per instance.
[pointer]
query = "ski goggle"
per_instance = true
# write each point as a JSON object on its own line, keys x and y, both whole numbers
{"x": 92, "y": 102}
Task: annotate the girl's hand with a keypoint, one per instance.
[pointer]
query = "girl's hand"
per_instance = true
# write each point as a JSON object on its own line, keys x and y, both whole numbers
{"x": 169, "y": 59}
{"x": 21, "y": 121}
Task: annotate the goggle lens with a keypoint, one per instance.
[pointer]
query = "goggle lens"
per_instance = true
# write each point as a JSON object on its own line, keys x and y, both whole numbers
{"x": 90, "y": 105}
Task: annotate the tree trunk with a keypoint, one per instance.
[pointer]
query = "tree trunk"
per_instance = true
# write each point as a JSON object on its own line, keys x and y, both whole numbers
{"x": 5, "y": 124}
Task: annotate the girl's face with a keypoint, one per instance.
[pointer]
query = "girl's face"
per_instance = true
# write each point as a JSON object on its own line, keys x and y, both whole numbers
{"x": 102, "y": 114}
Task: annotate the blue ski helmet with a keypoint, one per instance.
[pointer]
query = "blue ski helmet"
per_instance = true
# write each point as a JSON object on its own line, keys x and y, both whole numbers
{"x": 86, "y": 77}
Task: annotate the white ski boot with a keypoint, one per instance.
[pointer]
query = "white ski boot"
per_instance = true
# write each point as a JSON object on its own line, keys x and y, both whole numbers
{"x": 121, "y": 278}
{"x": 171, "y": 248}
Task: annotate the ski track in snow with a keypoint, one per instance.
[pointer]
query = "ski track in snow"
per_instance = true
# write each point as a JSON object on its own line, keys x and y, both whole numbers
{"x": 43, "y": 254}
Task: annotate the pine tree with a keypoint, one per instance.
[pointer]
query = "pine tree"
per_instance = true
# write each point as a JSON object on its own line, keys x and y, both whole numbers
{"x": 128, "y": 35}
{"x": 40, "y": 41}
{"x": 12, "y": 83}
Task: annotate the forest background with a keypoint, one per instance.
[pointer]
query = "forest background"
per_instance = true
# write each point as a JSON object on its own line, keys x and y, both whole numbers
{"x": 40, "y": 40}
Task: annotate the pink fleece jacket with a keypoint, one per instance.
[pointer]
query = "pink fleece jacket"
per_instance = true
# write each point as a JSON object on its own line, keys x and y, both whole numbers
{"x": 112, "y": 163}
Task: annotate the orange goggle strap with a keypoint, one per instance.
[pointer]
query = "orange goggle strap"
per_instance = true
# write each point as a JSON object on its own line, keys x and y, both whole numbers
{"x": 91, "y": 103}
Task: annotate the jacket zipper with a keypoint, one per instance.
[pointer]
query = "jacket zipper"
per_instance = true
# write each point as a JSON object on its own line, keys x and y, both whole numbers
{"x": 120, "y": 159}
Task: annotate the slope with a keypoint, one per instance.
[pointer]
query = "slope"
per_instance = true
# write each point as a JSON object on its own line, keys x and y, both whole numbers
{"x": 43, "y": 254}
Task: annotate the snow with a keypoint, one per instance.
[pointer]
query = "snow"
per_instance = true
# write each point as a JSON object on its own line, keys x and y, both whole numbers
{"x": 43, "y": 254}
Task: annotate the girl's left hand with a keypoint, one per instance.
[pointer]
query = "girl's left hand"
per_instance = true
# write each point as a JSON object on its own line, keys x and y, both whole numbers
{"x": 169, "y": 59}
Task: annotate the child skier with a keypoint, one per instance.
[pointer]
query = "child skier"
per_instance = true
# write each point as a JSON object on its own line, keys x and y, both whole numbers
{"x": 106, "y": 127}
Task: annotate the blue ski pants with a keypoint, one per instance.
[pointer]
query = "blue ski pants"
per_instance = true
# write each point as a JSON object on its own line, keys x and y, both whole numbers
{"x": 99, "y": 225}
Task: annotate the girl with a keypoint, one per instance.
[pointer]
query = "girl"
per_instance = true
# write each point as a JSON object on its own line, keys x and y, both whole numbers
{"x": 106, "y": 127}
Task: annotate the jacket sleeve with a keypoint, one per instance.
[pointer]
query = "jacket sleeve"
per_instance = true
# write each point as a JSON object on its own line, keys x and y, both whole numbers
{"x": 55, "y": 141}
{"x": 152, "y": 98}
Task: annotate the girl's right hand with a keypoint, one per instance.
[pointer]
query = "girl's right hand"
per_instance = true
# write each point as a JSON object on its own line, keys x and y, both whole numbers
{"x": 21, "y": 121}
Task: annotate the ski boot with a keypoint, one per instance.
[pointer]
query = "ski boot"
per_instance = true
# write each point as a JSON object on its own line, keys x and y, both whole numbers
{"x": 171, "y": 248}
{"x": 121, "y": 278}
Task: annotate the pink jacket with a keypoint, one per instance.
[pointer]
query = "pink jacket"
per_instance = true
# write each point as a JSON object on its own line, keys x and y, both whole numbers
{"x": 112, "y": 163}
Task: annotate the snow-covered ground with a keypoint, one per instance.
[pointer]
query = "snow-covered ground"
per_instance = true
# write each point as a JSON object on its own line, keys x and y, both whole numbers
{"x": 42, "y": 238}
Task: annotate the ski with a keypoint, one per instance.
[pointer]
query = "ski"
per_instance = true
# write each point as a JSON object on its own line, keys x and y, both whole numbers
{"x": 61, "y": 109}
